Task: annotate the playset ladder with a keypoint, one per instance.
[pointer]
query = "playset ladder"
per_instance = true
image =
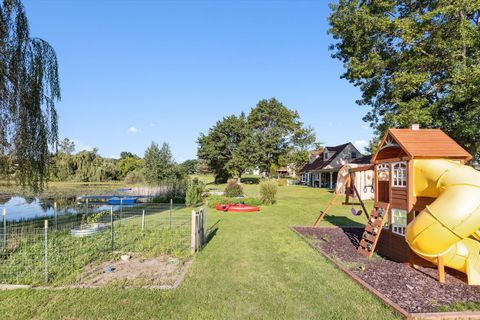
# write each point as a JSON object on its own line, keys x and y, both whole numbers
{"x": 373, "y": 229}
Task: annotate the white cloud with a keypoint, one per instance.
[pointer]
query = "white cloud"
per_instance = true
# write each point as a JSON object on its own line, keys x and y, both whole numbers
{"x": 361, "y": 144}
{"x": 133, "y": 130}
{"x": 79, "y": 146}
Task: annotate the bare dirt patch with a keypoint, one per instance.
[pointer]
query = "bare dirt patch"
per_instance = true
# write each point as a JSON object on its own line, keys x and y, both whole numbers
{"x": 414, "y": 290}
{"x": 159, "y": 272}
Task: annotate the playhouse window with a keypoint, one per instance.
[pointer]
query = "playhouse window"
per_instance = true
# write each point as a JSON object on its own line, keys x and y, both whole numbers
{"x": 383, "y": 171}
{"x": 399, "y": 174}
{"x": 399, "y": 221}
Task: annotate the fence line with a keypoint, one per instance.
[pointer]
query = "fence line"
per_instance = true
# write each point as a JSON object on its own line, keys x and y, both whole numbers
{"x": 55, "y": 250}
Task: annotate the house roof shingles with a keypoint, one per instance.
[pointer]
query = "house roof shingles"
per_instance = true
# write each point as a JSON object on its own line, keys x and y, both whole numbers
{"x": 319, "y": 163}
{"x": 363, "y": 160}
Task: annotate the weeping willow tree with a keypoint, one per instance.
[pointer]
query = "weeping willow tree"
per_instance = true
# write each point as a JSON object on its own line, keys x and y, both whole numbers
{"x": 29, "y": 88}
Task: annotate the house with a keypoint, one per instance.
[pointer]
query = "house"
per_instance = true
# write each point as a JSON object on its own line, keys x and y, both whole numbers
{"x": 322, "y": 169}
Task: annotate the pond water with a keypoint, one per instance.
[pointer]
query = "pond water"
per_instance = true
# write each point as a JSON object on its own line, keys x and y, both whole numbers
{"x": 19, "y": 208}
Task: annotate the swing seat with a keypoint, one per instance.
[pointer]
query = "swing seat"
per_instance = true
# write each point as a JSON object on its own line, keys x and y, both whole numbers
{"x": 355, "y": 212}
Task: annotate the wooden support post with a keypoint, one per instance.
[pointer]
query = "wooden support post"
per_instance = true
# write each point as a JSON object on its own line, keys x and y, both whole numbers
{"x": 324, "y": 212}
{"x": 348, "y": 184}
{"x": 441, "y": 269}
{"x": 331, "y": 203}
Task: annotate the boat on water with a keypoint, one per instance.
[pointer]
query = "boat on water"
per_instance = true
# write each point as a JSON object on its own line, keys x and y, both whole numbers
{"x": 236, "y": 208}
{"x": 122, "y": 201}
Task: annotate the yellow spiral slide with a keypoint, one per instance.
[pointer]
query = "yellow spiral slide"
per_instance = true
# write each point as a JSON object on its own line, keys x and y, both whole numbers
{"x": 449, "y": 227}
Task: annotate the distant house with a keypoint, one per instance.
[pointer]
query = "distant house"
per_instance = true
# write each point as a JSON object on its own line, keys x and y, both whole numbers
{"x": 322, "y": 169}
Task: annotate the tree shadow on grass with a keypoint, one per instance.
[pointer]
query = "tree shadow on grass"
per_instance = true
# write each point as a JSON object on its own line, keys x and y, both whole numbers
{"x": 250, "y": 180}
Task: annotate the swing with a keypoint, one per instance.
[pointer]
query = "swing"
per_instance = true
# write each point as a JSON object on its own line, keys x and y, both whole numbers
{"x": 350, "y": 190}
{"x": 355, "y": 212}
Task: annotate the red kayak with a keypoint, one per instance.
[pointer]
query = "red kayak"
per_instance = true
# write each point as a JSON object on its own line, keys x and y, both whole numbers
{"x": 236, "y": 208}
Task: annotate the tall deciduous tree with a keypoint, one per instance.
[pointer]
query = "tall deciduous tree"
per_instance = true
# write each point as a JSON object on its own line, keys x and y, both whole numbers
{"x": 414, "y": 61}
{"x": 226, "y": 149}
{"x": 277, "y": 131}
{"x": 29, "y": 87}
{"x": 189, "y": 166}
{"x": 159, "y": 164}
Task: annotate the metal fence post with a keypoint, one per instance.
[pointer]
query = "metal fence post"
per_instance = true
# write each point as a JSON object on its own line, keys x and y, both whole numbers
{"x": 171, "y": 205}
{"x": 201, "y": 230}
{"x": 193, "y": 243}
{"x": 206, "y": 217}
{"x": 4, "y": 216}
{"x": 143, "y": 220}
{"x": 121, "y": 211}
{"x": 46, "y": 251}
{"x": 112, "y": 236}
{"x": 55, "y": 214}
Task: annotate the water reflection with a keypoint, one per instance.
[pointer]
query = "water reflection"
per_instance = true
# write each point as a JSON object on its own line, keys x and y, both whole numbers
{"x": 20, "y": 208}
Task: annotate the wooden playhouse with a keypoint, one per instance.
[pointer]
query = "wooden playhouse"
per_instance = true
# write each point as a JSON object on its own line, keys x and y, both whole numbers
{"x": 394, "y": 191}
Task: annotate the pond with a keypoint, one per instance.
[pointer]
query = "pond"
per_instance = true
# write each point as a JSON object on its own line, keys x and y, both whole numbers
{"x": 20, "y": 208}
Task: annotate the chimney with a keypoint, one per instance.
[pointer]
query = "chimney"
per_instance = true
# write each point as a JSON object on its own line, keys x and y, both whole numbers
{"x": 415, "y": 126}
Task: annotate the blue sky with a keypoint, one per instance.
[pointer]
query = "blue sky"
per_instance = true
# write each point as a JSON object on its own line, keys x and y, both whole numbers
{"x": 133, "y": 72}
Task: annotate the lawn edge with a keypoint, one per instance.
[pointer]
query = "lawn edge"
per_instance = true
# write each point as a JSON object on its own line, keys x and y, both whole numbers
{"x": 394, "y": 306}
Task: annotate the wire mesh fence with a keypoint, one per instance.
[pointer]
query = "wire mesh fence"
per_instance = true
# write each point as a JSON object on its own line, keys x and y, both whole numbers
{"x": 58, "y": 250}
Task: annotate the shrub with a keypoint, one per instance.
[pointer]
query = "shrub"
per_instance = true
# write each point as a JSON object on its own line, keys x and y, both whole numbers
{"x": 268, "y": 191}
{"x": 250, "y": 180}
{"x": 134, "y": 177}
{"x": 282, "y": 182}
{"x": 233, "y": 189}
{"x": 215, "y": 200}
{"x": 175, "y": 190}
{"x": 194, "y": 192}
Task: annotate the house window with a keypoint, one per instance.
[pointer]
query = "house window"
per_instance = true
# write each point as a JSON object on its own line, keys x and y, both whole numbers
{"x": 399, "y": 221}
{"x": 325, "y": 156}
{"x": 383, "y": 172}
{"x": 399, "y": 172}
{"x": 353, "y": 155}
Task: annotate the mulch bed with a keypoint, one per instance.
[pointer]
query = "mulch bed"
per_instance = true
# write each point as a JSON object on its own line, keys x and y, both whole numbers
{"x": 414, "y": 290}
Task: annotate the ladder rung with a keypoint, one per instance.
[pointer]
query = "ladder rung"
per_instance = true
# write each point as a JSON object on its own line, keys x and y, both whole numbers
{"x": 369, "y": 237}
{"x": 372, "y": 229}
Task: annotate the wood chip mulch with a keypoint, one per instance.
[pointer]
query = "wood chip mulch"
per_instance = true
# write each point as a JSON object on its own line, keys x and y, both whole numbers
{"x": 414, "y": 290}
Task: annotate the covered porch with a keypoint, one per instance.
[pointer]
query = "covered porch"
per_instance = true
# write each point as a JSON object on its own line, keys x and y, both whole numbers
{"x": 323, "y": 179}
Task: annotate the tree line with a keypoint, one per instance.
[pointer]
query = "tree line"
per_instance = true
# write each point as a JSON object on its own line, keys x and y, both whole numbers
{"x": 269, "y": 137}
{"x": 157, "y": 165}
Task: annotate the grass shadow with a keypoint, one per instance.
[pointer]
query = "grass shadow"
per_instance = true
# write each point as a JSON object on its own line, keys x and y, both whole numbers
{"x": 212, "y": 231}
{"x": 342, "y": 221}
{"x": 250, "y": 180}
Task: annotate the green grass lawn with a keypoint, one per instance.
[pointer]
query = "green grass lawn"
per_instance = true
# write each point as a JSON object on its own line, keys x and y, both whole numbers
{"x": 254, "y": 267}
{"x": 67, "y": 255}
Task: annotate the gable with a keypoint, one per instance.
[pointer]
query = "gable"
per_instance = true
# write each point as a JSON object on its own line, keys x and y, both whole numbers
{"x": 389, "y": 148}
